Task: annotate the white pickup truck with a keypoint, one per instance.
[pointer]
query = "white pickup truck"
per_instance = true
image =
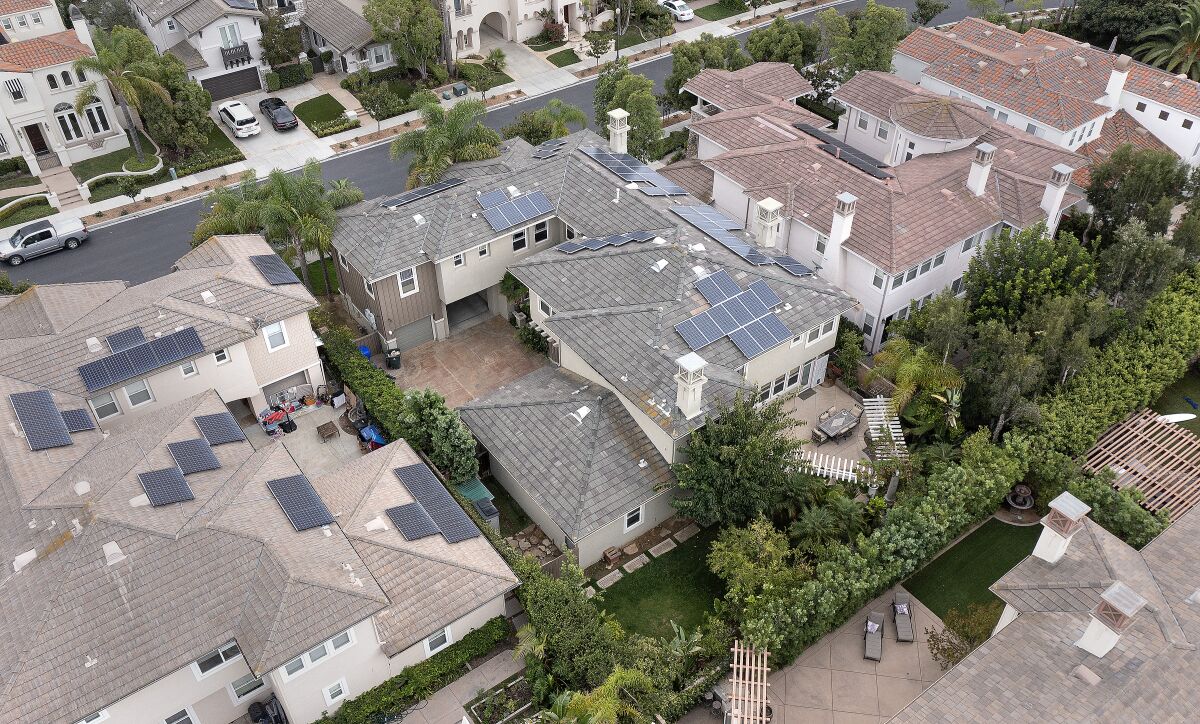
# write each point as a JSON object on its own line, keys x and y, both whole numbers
{"x": 42, "y": 237}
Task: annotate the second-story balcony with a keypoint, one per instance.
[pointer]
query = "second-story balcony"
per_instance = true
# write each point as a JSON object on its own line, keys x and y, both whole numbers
{"x": 236, "y": 55}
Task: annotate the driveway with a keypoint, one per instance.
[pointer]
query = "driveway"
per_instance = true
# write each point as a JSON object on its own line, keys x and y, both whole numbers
{"x": 277, "y": 149}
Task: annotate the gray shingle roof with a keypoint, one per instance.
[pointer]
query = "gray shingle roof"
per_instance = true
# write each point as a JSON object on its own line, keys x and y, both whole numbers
{"x": 341, "y": 26}
{"x": 583, "y": 474}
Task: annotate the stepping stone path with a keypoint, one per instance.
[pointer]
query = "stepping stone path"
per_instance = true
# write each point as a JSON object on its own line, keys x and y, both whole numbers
{"x": 636, "y": 563}
{"x": 610, "y": 579}
{"x": 687, "y": 532}
{"x": 661, "y": 548}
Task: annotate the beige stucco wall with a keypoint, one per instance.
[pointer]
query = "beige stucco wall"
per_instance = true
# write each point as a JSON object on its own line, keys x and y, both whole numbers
{"x": 657, "y": 509}
{"x": 299, "y": 354}
{"x": 775, "y": 362}
{"x": 479, "y": 273}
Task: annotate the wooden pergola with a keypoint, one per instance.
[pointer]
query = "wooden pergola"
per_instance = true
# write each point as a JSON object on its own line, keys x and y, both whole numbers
{"x": 747, "y": 702}
{"x": 1159, "y": 458}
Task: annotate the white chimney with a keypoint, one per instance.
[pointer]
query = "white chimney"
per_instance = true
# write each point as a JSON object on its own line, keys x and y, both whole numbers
{"x": 618, "y": 130}
{"x": 767, "y": 222}
{"x": 839, "y": 232}
{"x": 112, "y": 553}
{"x": 1116, "y": 81}
{"x": 1062, "y": 522}
{"x": 981, "y": 168}
{"x": 1118, "y": 605}
{"x": 79, "y": 24}
{"x": 691, "y": 381}
{"x": 1056, "y": 191}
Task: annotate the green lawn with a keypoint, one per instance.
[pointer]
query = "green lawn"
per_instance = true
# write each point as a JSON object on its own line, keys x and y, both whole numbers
{"x": 1173, "y": 399}
{"x": 109, "y": 162}
{"x": 719, "y": 12}
{"x": 18, "y": 181}
{"x": 27, "y": 212}
{"x": 512, "y": 518}
{"x": 317, "y": 279}
{"x": 319, "y": 110}
{"x": 110, "y": 189}
{"x": 217, "y": 140}
{"x": 545, "y": 46}
{"x": 563, "y": 58}
{"x": 677, "y": 587}
{"x": 961, "y": 575}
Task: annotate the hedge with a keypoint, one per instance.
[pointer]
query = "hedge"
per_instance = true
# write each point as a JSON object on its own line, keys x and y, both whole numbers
{"x": 418, "y": 681}
{"x": 198, "y": 162}
{"x": 13, "y": 165}
{"x": 337, "y": 125}
{"x": 293, "y": 74}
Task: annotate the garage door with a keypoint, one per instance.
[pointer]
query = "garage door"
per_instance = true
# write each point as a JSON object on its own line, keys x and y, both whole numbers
{"x": 273, "y": 389}
{"x": 410, "y": 335}
{"x": 232, "y": 84}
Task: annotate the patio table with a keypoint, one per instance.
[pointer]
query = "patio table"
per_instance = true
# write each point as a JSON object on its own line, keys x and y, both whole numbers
{"x": 838, "y": 423}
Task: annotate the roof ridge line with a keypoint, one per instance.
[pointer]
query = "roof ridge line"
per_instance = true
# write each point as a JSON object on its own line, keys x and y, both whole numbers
{"x": 426, "y": 557}
{"x": 531, "y": 403}
{"x": 588, "y": 467}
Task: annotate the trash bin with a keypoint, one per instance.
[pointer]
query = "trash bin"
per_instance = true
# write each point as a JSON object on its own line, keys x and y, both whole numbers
{"x": 393, "y": 360}
{"x": 460, "y": 89}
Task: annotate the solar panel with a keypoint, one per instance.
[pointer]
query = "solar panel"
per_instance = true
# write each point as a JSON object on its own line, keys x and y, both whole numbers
{"x": 570, "y": 247}
{"x": 78, "y": 420}
{"x": 553, "y": 143}
{"x": 793, "y": 267}
{"x": 193, "y": 456}
{"x": 421, "y": 192}
{"x": 517, "y": 211}
{"x": 492, "y": 199}
{"x": 717, "y": 287}
{"x": 165, "y": 486}
{"x": 437, "y": 501}
{"x": 140, "y": 359}
{"x": 745, "y": 317}
{"x": 274, "y": 269}
{"x": 633, "y": 170}
{"x": 219, "y": 428}
{"x": 413, "y": 521}
{"x": 760, "y": 335}
{"x": 300, "y": 502}
{"x": 599, "y": 242}
{"x": 126, "y": 338}
{"x": 40, "y": 419}
{"x": 547, "y": 153}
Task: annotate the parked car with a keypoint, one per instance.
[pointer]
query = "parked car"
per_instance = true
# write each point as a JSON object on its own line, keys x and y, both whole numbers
{"x": 278, "y": 113}
{"x": 42, "y": 237}
{"x": 238, "y": 117}
{"x": 678, "y": 8}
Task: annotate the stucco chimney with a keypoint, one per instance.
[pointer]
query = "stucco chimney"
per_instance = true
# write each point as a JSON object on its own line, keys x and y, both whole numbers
{"x": 767, "y": 221}
{"x": 618, "y": 130}
{"x": 691, "y": 381}
{"x": 981, "y": 168}
{"x": 1056, "y": 191}
{"x": 839, "y": 232}
{"x": 1063, "y": 521}
{"x": 1110, "y": 618}
{"x": 79, "y": 23}
{"x": 1116, "y": 81}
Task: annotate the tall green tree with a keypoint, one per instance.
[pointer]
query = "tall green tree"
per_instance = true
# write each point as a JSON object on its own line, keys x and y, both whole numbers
{"x": 1100, "y": 22}
{"x": 598, "y": 43}
{"x": 1137, "y": 266}
{"x": 750, "y": 558}
{"x": 1136, "y": 184}
{"x": 449, "y": 136}
{"x": 832, "y": 28}
{"x": 108, "y": 14}
{"x": 1004, "y": 375}
{"x": 708, "y": 51}
{"x": 927, "y": 10}
{"x": 280, "y": 43}
{"x": 124, "y": 59}
{"x": 618, "y": 87}
{"x": 606, "y": 86}
{"x": 784, "y": 42}
{"x": 1174, "y": 46}
{"x": 179, "y": 123}
{"x": 412, "y": 27}
{"x": 913, "y": 370}
{"x": 553, "y": 120}
{"x": 872, "y": 40}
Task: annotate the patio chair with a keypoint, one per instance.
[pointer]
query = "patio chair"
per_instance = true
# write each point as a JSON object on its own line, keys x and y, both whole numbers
{"x": 818, "y": 437}
{"x": 831, "y": 410}
{"x": 902, "y": 615}
{"x": 824, "y": 416}
{"x": 873, "y": 637}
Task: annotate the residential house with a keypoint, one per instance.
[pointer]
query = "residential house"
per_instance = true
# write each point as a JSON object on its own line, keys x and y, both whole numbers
{"x": 162, "y": 574}
{"x": 218, "y": 41}
{"x": 511, "y": 20}
{"x": 217, "y": 322}
{"x": 37, "y": 102}
{"x": 1092, "y": 631}
{"x": 1050, "y": 85}
{"x": 338, "y": 26}
{"x": 718, "y": 90}
{"x": 892, "y": 204}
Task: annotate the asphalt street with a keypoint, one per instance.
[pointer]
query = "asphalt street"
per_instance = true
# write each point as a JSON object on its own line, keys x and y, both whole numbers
{"x": 144, "y": 248}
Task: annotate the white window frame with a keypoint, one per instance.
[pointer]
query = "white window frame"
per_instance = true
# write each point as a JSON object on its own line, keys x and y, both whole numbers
{"x": 22, "y": 22}
{"x": 266, "y": 332}
{"x": 330, "y": 700}
{"x": 971, "y": 242}
{"x": 820, "y": 332}
{"x": 960, "y": 287}
{"x": 429, "y": 651}
{"x": 145, "y": 388}
{"x": 863, "y": 122}
{"x": 822, "y": 243}
{"x": 224, "y": 351}
{"x": 349, "y": 634}
{"x": 485, "y": 250}
{"x": 939, "y": 260}
{"x": 235, "y": 34}
{"x": 379, "y": 54}
{"x": 95, "y": 718}
{"x": 35, "y": 17}
{"x": 112, "y": 400}
{"x": 640, "y": 512}
{"x": 544, "y": 308}
{"x": 69, "y": 125}
{"x": 926, "y": 266}
{"x": 460, "y": 260}
{"x": 412, "y": 277}
{"x": 541, "y": 231}
{"x": 882, "y": 131}
{"x": 880, "y": 280}
{"x": 171, "y": 24}
{"x": 232, "y": 688}
{"x": 183, "y": 369}
{"x": 7, "y": 23}
{"x": 342, "y": 261}
{"x": 911, "y": 274}
{"x": 868, "y": 325}
{"x": 186, "y": 711}
{"x": 220, "y": 650}
{"x": 97, "y": 119}
{"x": 522, "y": 238}
{"x": 367, "y": 288}
{"x": 1002, "y": 116}
{"x": 307, "y": 663}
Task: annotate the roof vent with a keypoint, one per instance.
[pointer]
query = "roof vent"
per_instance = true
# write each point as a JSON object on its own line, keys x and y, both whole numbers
{"x": 514, "y": 192}
{"x": 987, "y": 32}
{"x": 981, "y": 64}
{"x": 642, "y": 463}
{"x": 24, "y": 559}
{"x": 695, "y": 247}
{"x": 1022, "y": 72}
{"x": 377, "y": 524}
{"x": 94, "y": 345}
{"x": 208, "y": 297}
{"x": 419, "y": 219}
{"x": 1194, "y": 599}
{"x": 140, "y": 501}
{"x": 83, "y": 487}
{"x": 659, "y": 265}
{"x": 112, "y": 553}
{"x": 1085, "y": 675}
{"x": 579, "y": 414}
{"x": 1080, "y": 61}
{"x": 699, "y": 271}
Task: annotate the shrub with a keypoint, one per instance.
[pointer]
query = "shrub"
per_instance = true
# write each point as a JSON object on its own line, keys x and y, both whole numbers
{"x": 555, "y": 32}
{"x": 13, "y": 165}
{"x": 272, "y": 81}
{"x": 438, "y": 75}
{"x": 293, "y": 74}
{"x": 337, "y": 125}
{"x": 533, "y": 339}
{"x": 327, "y": 57}
{"x": 963, "y": 632}
{"x": 198, "y": 162}
{"x": 307, "y": 68}
{"x": 381, "y": 102}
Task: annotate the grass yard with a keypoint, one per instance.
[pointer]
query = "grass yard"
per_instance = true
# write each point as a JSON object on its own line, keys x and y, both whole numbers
{"x": 1174, "y": 399}
{"x": 563, "y": 58}
{"x": 319, "y": 110}
{"x": 217, "y": 140}
{"x": 18, "y": 180}
{"x": 961, "y": 575}
{"x": 110, "y": 162}
{"x": 677, "y": 587}
{"x": 718, "y": 11}
{"x": 107, "y": 189}
{"x": 512, "y": 519}
{"x": 317, "y": 279}
{"x": 24, "y": 213}
{"x": 542, "y": 47}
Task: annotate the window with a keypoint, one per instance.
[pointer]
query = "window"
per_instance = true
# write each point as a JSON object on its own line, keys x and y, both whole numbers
{"x": 408, "y": 282}
{"x": 66, "y": 77}
{"x": 519, "y": 241}
{"x": 276, "y": 336}
{"x": 879, "y": 280}
{"x": 317, "y": 654}
{"x": 546, "y": 309}
{"x": 939, "y": 260}
{"x": 1030, "y": 128}
{"x": 882, "y": 132}
{"x": 221, "y": 356}
{"x": 15, "y": 90}
{"x": 822, "y": 241}
{"x": 335, "y": 691}
{"x": 294, "y": 665}
{"x": 22, "y": 22}
{"x": 171, "y": 24}
{"x": 138, "y": 393}
{"x": 541, "y": 232}
{"x": 926, "y": 265}
{"x": 793, "y": 377}
{"x": 342, "y": 261}
{"x": 910, "y": 274}
{"x": 105, "y": 406}
{"x": 79, "y": 74}
{"x": 7, "y": 24}
{"x": 956, "y": 287}
{"x": 1002, "y": 117}
{"x": 341, "y": 640}
{"x": 971, "y": 243}
{"x": 183, "y": 717}
{"x": 779, "y": 384}
{"x": 1163, "y": 115}
{"x": 897, "y": 280}
{"x": 1141, "y": 107}
{"x": 437, "y": 642}
{"x": 633, "y": 518}
{"x": 1187, "y": 123}
{"x": 379, "y": 54}
{"x": 216, "y": 659}
{"x": 821, "y": 330}
{"x": 862, "y": 121}
{"x": 188, "y": 369}
{"x": 230, "y": 37}
{"x": 460, "y": 260}
{"x": 570, "y": 232}
{"x": 991, "y": 111}
{"x": 1091, "y": 128}
{"x": 94, "y": 718}
{"x": 243, "y": 686}
{"x": 367, "y": 287}
{"x": 868, "y": 326}
{"x": 96, "y": 118}
{"x": 68, "y": 122}
{"x": 52, "y": 82}
{"x": 485, "y": 250}
{"x": 1072, "y": 141}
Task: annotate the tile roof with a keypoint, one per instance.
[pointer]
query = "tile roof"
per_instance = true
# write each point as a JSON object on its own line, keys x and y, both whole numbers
{"x": 192, "y": 15}
{"x": 156, "y": 10}
{"x": 343, "y": 27}
{"x": 42, "y": 52}
{"x": 188, "y": 55}
{"x": 758, "y": 125}
{"x": 17, "y": 6}
{"x": 750, "y": 86}
{"x": 46, "y": 342}
{"x": 1119, "y": 129}
{"x": 890, "y": 97}
{"x": 583, "y": 474}
{"x": 693, "y": 176}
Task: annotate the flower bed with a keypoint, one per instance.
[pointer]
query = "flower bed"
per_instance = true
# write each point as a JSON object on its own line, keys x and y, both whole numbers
{"x": 503, "y": 703}
{"x": 337, "y": 125}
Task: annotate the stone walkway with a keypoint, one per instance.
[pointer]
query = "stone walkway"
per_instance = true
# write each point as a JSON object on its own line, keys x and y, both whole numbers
{"x": 447, "y": 705}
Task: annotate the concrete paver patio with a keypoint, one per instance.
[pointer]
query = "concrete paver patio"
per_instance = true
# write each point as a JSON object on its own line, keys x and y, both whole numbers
{"x": 807, "y": 409}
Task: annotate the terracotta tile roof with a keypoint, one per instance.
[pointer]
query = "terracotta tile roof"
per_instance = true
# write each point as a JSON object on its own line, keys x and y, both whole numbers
{"x": 42, "y": 52}
{"x": 751, "y": 86}
{"x": 693, "y": 176}
{"x": 1119, "y": 129}
{"x": 17, "y": 6}
{"x": 758, "y": 125}
{"x": 922, "y": 112}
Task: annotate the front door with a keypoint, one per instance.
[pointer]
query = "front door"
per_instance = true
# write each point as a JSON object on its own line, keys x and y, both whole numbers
{"x": 36, "y": 140}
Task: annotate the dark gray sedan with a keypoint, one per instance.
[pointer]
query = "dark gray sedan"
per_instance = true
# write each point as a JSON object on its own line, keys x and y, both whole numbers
{"x": 278, "y": 113}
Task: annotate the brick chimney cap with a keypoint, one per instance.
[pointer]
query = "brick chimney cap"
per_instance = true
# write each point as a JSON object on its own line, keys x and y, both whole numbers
{"x": 1070, "y": 506}
{"x": 1123, "y": 598}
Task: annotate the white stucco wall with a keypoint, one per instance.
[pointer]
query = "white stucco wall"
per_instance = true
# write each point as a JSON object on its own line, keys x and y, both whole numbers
{"x": 1183, "y": 141}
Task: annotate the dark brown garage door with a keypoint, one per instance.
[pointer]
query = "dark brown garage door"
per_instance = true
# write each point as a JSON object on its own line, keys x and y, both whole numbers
{"x": 232, "y": 84}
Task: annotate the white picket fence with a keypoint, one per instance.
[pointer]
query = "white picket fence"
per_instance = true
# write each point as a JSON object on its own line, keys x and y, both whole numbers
{"x": 831, "y": 466}
{"x": 886, "y": 433}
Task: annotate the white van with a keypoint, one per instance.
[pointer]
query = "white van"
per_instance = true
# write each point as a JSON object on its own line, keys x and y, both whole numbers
{"x": 238, "y": 117}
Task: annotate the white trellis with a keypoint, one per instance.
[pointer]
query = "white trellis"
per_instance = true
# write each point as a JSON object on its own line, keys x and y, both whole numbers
{"x": 887, "y": 437}
{"x": 831, "y": 466}
{"x": 748, "y": 702}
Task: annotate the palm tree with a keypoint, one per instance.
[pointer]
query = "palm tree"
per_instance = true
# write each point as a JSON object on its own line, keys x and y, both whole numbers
{"x": 449, "y": 137}
{"x": 816, "y": 526}
{"x": 912, "y": 369}
{"x": 529, "y": 643}
{"x": 1174, "y": 47}
{"x": 560, "y": 115}
{"x": 558, "y": 711}
{"x": 129, "y": 76}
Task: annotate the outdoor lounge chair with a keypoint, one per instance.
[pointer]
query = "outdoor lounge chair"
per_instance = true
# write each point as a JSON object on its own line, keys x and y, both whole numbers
{"x": 818, "y": 437}
{"x": 873, "y": 637}
{"x": 902, "y": 615}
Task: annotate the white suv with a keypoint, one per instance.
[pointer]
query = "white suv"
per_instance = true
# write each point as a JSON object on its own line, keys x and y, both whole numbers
{"x": 238, "y": 117}
{"x": 678, "y": 8}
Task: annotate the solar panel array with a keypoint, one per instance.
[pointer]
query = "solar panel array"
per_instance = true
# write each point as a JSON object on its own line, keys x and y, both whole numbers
{"x": 492, "y": 199}
{"x": 193, "y": 456}
{"x": 793, "y": 267}
{"x": 126, "y": 338}
{"x": 300, "y": 502}
{"x": 845, "y": 152}
{"x": 717, "y": 287}
{"x": 745, "y": 317}
{"x": 40, "y": 419}
{"x": 274, "y": 270}
{"x": 165, "y": 486}
{"x": 137, "y": 361}
{"x": 421, "y": 192}
{"x": 78, "y": 420}
{"x": 450, "y": 519}
{"x": 719, "y": 228}
{"x": 549, "y": 148}
{"x": 517, "y": 211}
{"x": 632, "y": 170}
{"x": 599, "y": 242}
{"x": 413, "y": 521}
{"x": 219, "y": 428}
